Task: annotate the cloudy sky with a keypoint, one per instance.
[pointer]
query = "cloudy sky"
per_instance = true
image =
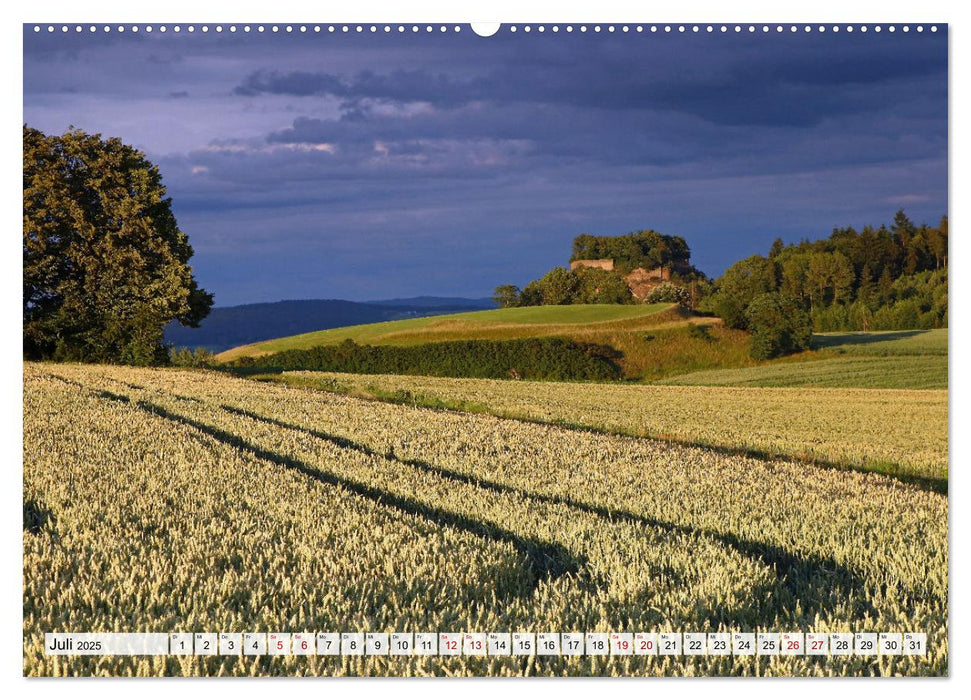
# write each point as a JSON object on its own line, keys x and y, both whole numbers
{"x": 364, "y": 166}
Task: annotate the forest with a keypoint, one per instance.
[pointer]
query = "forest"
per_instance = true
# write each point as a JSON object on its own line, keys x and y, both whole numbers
{"x": 886, "y": 278}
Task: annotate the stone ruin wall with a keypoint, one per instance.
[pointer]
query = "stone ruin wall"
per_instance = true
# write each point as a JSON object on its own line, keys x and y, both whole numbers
{"x": 640, "y": 281}
{"x": 603, "y": 264}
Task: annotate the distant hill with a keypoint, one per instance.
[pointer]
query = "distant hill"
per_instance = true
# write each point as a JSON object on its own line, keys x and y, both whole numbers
{"x": 231, "y": 326}
{"x": 438, "y": 302}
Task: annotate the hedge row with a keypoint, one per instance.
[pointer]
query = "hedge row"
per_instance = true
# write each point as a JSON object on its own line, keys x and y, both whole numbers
{"x": 531, "y": 358}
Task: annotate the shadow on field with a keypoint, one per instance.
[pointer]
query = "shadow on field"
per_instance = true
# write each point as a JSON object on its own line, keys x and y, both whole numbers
{"x": 405, "y": 398}
{"x": 813, "y": 584}
{"x": 810, "y": 580}
{"x": 37, "y": 516}
{"x": 543, "y": 560}
{"x": 827, "y": 341}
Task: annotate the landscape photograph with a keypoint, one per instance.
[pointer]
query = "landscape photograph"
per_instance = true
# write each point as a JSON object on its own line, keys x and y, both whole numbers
{"x": 545, "y": 350}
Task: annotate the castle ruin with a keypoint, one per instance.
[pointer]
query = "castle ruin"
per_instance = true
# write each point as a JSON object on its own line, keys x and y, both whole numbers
{"x": 603, "y": 264}
{"x": 640, "y": 281}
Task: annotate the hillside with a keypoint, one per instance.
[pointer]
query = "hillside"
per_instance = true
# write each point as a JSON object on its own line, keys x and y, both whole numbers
{"x": 230, "y": 326}
{"x": 877, "y": 360}
{"x": 892, "y": 372}
{"x": 885, "y": 343}
{"x": 584, "y": 321}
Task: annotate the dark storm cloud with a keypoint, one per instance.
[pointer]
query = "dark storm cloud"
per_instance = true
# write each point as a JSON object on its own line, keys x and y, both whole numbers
{"x": 369, "y": 166}
{"x": 757, "y": 87}
{"x": 397, "y": 86}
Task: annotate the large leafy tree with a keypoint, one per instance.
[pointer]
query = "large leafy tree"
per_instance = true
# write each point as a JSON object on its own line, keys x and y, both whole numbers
{"x": 779, "y": 325}
{"x": 559, "y": 286}
{"x": 598, "y": 286}
{"x": 506, "y": 296}
{"x": 105, "y": 264}
{"x": 740, "y": 284}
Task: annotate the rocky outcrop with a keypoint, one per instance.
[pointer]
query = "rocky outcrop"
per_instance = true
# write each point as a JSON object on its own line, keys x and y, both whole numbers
{"x": 642, "y": 281}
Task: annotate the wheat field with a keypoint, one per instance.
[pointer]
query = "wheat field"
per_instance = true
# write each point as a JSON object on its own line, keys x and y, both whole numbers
{"x": 164, "y": 501}
{"x": 899, "y": 431}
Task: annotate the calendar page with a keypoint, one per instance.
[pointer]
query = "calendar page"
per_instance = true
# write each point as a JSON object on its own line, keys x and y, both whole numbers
{"x": 593, "y": 349}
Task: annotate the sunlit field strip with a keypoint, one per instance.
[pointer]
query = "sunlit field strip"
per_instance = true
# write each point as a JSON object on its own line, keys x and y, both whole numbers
{"x": 895, "y": 431}
{"x": 853, "y": 371}
{"x": 250, "y": 507}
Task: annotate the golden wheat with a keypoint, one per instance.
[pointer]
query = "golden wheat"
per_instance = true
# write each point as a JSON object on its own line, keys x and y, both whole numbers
{"x": 190, "y": 501}
{"x": 869, "y": 428}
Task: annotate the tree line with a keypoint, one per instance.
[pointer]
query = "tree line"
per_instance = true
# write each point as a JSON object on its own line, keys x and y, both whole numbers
{"x": 885, "y": 278}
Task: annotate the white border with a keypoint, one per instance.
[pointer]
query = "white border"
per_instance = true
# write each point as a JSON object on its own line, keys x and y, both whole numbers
{"x": 602, "y": 11}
